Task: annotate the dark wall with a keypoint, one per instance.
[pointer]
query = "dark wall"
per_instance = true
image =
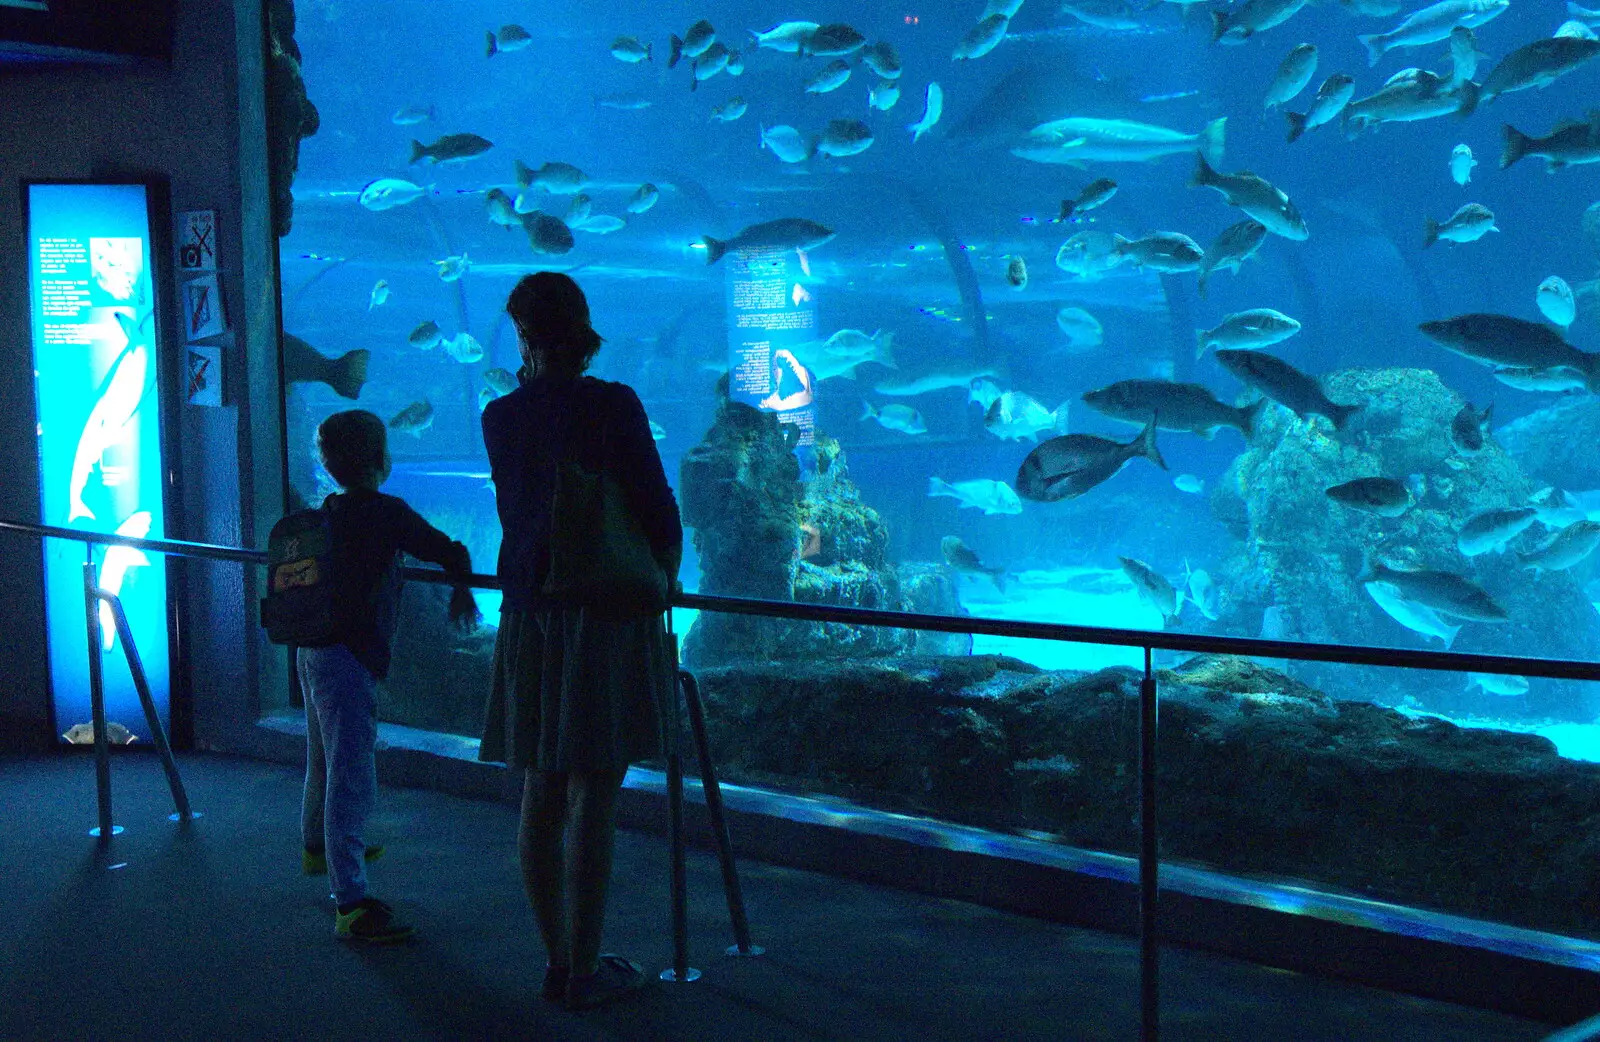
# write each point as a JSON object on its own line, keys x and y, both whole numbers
{"x": 180, "y": 124}
{"x": 90, "y": 29}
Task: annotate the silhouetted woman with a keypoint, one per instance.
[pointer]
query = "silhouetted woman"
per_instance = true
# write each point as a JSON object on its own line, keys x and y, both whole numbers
{"x": 576, "y": 690}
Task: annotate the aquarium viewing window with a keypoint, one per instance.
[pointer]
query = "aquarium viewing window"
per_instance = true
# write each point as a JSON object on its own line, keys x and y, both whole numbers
{"x": 97, "y": 363}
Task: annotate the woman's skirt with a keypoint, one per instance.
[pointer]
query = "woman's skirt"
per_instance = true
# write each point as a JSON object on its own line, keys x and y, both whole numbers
{"x": 575, "y": 690}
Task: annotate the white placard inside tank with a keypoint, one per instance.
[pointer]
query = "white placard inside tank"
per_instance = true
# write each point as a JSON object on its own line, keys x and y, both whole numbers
{"x": 770, "y": 313}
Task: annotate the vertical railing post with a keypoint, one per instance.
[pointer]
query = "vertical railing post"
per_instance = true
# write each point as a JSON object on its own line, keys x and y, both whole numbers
{"x": 680, "y": 971}
{"x": 719, "y": 820}
{"x": 97, "y": 700}
{"x": 152, "y": 719}
{"x": 1149, "y": 863}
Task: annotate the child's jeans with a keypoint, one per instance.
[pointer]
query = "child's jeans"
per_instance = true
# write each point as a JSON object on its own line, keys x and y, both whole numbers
{"x": 341, "y": 776}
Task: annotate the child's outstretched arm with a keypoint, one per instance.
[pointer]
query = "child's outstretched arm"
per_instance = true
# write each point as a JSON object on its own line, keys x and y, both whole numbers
{"x": 426, "y": 543}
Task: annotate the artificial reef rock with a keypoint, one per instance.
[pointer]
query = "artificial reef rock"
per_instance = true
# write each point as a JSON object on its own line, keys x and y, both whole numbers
{"x": 1301, "y": 552}
{"x": 762, "y": 531}
{"x": 1258, "y": 773}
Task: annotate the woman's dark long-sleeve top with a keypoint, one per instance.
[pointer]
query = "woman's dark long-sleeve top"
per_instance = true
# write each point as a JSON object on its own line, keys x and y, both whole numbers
{"x": 526, "y": 434}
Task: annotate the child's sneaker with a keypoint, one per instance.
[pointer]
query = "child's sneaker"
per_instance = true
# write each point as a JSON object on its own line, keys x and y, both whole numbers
{"x": 372, "y": 921}
{"x": 612, "y": 979}
{"x": 554, "y": 988}
{"x": 315, "y": 862}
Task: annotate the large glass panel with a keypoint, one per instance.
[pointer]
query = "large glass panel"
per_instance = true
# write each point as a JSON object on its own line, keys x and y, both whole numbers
{"x": 902, "y": 297}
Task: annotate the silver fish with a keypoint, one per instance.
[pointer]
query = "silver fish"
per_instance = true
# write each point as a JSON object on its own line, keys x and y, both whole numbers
{"x": 1228, "y": 251}
{"x": 1285, "y": 384}
{"x": 426, "y": 336}
{"x": 1468, "y": 224}
{"x": 1385, "y": 497}
{"x": 1442, "y": 591}
{"x": 1554, "y": 378}
{"x": 629, "y": 49}
{"x": 413, "y": 419}
{"x": 985, "y": 494}
{"x": 1258, "y": 327}
{"x": 1168, "y": 252}
{"x": 1256, "y": 197}
{"x": 932, "y": 109}
{"x": 1432, "y": 24}
{"x": 1501, "y": 340}
{"x": 1419, "y": 618}
{"x": 1185, "y": 407}
{"x": 556, "y": 178}
{"x": 1408, "y": 99}
{"x": 1469, "y": 431}
{"x": 843, "y": 137}
{"x": 981, "y": 38}
{"x": 829, "y": 78}
{"x": 1095, "y": 194}
{"x": 962, "y": 558}
{"x": 1294, "y": 74}
{"x": 509, "y": 38}
{"x": 1572, "y": 142}
{"x": 452, "y": 148}
{"x": 789, "y": 233}
{"x": 643, "y": 199}
{"x": 1538, "y": 64}
{"x": 1570, "y": 546}
{"x": 380, "y": 295}
{"x": 386, "y": 193}
{"x": 882, "y": 59}
{"x": 1492, "y": 529}
{"x": 895, "y": 417}
{"x": 1153, "y": 588}
{"x": 1332, "y": 97}
{"x": 1239, "y": 23}
{"x": 1068, "y": 466}
{"x": 501, "y": 381}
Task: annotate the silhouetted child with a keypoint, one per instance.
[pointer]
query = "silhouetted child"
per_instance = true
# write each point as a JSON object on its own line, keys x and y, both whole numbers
{"x": 369, "y": 531}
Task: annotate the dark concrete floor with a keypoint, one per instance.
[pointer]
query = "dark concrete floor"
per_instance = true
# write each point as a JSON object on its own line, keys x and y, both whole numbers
{"x": 211, "y": 932}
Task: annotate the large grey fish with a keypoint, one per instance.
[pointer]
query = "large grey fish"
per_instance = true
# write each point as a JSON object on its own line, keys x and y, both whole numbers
{"x": 1239, "y": 23}
{"x": 1169, "y": 252}
{"x": 1418, "y": 618}
{"x": 413, "y": 419}
{"x": 1500, "y": 340}
{"x": 1442, "y": 591}
{"x": 1153, "y": 588}
{"x": 1464, "y": 55}
{"x": 834, "y": 40}
{"x": 1068, "y": 466}
{"x": 697, "y": 39}
{"x": 1228, "y": 251}
{"x": 547, "y": 234}
{"x": 554, "y": 177}
{"x": 1492, "y": 529}
{"x": 1432, "y": 24}
{"x": 1173, "y": 406}
{"x": 787, "y": 37}
{"x": 452, "y": 148}
{"x": 1570, "y": 545}
{"x": 1385, "y": 497}
{"x": 1078, "y": 140}
{"x": 1258, "y": 327}
{"x": 1570, "y": 143}
{"x": 712, "y": 61}
{"x": 1334, "y": 94}
{"x": 1096, "y": 193}
{"x": 962, "y": 558}
{"x": 1256, "y": 197}
{"x": 1538, "y": 64}
{"x": 1554, "y": 378}
{"x": 843, "y": 137}
{"x": 788, "y": 233}
{"x": 502, "y": 210}
{"x": 1294, "y": 73}
{"x": 829, "y": 78}
{"x": 1468, "y": 224}
{"x": 509, "y": 38}
{"x": 1469, "y": 431}
{"x": 1285, "y": 384}
{"x": 982, "y": 38}
{"x": 1408, "y": 98}
{"x": 882, "y": 59}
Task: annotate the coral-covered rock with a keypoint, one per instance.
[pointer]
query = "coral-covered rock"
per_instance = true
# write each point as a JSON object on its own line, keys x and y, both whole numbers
{"x": 291, "y": 117}
{"x": 1258, "y": 773}
{"x": 1304, "y": 552}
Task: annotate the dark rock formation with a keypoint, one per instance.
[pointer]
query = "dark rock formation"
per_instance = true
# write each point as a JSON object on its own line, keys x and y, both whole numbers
{"x": 763, "y": 532}
{"x": 1259, "y": 773}
{"x": 1303, "y": 552}
{"x": 291, "y": 116}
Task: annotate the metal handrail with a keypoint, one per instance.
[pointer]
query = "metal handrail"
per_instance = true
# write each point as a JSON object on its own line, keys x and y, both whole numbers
{"x": 1148, "y": 640}
{"x": 1306, "y": 651}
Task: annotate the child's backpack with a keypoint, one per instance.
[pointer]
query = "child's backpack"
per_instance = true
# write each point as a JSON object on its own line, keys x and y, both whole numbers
{"x": 301, "y": 607}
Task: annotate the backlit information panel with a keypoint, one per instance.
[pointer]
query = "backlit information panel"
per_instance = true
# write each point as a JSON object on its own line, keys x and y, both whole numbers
{"x": 772, "y": 317}
{"x": 95, "y": 359}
